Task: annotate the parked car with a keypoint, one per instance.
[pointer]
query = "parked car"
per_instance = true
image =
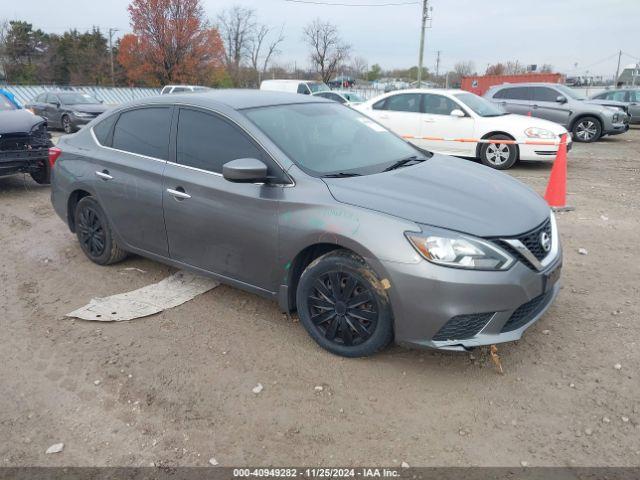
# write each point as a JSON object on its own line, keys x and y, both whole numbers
{"x": 303, "y": 201}
{"x": 558, "y": 103}
{"x": 345, "y": 98}
{"x": 628, "y": 97}
{"x": 167, "y": 89}
{"x": 24, "y": 143}
{"x": 436, "y": 120}
{"x": 342, "y": 82}
{"x": 66, "y": 109}
{"x": 305, "y": 87}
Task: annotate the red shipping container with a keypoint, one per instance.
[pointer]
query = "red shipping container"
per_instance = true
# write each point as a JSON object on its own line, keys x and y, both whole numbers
{"x": 479, "y": 84}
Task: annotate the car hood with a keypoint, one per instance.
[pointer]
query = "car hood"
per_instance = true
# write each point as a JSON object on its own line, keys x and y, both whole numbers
{"x": 89, "y": 108}
{"x": 18, "y": 121}
{"x": 517, "y": 124}
{"x": 447, "y": 192}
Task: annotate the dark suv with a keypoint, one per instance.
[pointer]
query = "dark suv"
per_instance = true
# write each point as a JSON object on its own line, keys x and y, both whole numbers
{"x": 586, "y": 121}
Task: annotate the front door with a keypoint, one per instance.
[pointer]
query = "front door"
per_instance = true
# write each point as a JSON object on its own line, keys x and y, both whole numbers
{"x": 128, "y": 175}
{"x": 226, "y": 228}
{"x": 437, "y": 122}
{"x": 544, "y": 104}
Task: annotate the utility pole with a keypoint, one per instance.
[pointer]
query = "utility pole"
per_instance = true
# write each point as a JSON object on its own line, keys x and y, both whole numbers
{"x": 113, "y": 76}
{"x": 425, "y": 16}
{"x": 615, "y": 80}
{"x": 437, "y": 65}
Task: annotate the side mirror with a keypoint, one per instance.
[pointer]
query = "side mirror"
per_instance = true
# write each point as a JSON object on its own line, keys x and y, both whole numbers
{"x": 457, "y": 113}
{"x": 561, "y": 99}
{"x": 245, "y": 170}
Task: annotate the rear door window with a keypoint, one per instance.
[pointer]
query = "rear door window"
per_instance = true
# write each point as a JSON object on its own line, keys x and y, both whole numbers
{"x": 103, "y": 130}
{"x": 207, "y": 142}
{"x": 302, "y": 88}
{"x": 144, "y": 131}
{"x": 405, "y": 102}
{"x": 544, "y": 94}
{"x": 514, "y": 93}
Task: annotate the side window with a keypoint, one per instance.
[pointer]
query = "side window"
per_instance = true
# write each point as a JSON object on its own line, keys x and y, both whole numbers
{"x": 40, "y": 98}
{"x": 601, "y": 96}
{"x": 51, "y": 98}
{"x": 439, "y": 105}
{"x": 338, "y": 98}
{"x": 179, "y": 89}
{"x": 144, "y": 131}
{"x": 544, "y": 94}
{"x": 302, "y": 88}
{"x": 514, "y": 93}
{"x": 405, "y": 102}
{"x": 207, "y": 142}
{"x": 618, "y": 96}
{"x": 379, "y": 105}
{"x": 103, "y": 130}
{"x": 634, "y": 96}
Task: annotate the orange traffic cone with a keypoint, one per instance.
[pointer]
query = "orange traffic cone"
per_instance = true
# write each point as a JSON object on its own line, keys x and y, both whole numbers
{"x": 556, "y": 194}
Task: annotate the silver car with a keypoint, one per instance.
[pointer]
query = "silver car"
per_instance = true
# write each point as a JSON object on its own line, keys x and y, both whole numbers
{"x": 629, "y": 98}
{"x": 318, "y": 207}
{"x": 586, "y": 121}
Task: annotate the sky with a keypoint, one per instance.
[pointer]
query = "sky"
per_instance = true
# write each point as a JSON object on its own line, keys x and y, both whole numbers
{"x": 562, "y": 33}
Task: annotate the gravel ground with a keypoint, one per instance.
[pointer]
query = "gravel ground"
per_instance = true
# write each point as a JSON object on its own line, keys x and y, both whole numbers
{"x": 176, "y": 388}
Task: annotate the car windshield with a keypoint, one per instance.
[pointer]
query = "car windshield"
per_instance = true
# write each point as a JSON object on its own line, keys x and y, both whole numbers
{"x": 6, "y": 104}
{"x": 479, "y": 105}
{"x": 317, "y": 87}
{"x": 328, "y": 139}
{"x": 77, "y": 99}
{"x": 569, "y": 92}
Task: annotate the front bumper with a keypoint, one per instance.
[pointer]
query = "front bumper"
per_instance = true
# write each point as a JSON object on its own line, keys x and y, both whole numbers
{"x": 22, "y": 161}
{"x": 542, "y": 152}
{"x": 502, "y": 305}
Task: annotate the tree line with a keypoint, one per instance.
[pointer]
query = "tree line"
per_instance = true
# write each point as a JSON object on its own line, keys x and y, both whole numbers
{"x": 173, "y": 41}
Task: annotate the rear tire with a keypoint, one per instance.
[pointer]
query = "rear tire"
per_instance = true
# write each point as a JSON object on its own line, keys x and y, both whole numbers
{"x": 587, "y": 130}
{"x": 500, "y": 156}
{"x": 94, "y": 233}
{"x": 343, "y": 306}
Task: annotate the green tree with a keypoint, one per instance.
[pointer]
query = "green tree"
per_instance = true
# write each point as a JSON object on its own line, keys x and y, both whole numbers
{"x": 23, "y": 49}
{"x": 374, "y": 73}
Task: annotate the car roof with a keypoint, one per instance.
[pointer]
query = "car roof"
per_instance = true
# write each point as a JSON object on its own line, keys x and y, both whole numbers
{"x": 236, "y": 99}
{"x": 527, "y": 84}
{"x": 429, "y": 90}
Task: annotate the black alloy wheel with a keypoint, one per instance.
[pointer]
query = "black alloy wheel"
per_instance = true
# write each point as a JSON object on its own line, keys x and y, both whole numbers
{"x": 94, "y": 233}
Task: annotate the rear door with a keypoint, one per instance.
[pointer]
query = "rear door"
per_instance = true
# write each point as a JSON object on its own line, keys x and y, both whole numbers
{"x": 545, "y": 105}
{"x": 514, "y": 99}
{"x": 400, "y": 113}
{"x": 437, "y": 122}
{"x": 128, "y": 174}
{"x": 223, "y": 227}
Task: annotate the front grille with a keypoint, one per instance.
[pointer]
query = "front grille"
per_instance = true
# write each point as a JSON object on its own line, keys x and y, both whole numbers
{"x": 463, "y": 327}
{"x": 38, "y": 138}
{"x": 531, "y": 240}
{"x": 526, "y": 312}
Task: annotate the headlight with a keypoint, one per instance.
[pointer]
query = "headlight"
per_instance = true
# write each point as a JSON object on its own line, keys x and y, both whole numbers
{"x": 616, "y": 118}
{"x": 535, "y": 132}
{"x": 81, "y": 114}
{"x": 459, "y": 251}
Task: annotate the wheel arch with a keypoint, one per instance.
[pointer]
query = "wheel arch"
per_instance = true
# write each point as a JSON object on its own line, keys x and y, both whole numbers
{"x": 491, "y": 134}
{"x": 72, "y": 201}
{"x": 584, "y": 115}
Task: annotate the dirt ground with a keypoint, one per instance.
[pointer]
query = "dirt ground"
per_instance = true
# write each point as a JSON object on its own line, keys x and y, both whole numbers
{"x": 176, "y": 388}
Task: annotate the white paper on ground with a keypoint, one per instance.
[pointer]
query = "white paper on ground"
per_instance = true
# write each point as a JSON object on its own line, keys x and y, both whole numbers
{"x": 168, "y": 293}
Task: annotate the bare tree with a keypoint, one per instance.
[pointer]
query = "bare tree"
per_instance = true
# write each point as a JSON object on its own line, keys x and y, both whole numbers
{"x": 464, "y": 69}
{"x": 263, "y": 49}
{"x": 328, "y": 50}
{"x": 360, "y": 66}
{"x": 4, "y": 30}
{"x": 514, "y": 67}
{"x": 237, "y": 26}
{"x": 546, "y": 68}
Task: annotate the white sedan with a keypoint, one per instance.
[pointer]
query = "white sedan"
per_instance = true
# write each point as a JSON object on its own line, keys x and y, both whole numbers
{"x": 452, "y": 121}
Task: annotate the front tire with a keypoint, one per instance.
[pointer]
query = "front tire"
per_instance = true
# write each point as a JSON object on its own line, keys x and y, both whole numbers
{"x": 67, "y": 126}
{"x": 94, "y": 233}
{"x": 500, "y": 156}
{"x": 587, "y": 130}
{"x": 343, "y": 306}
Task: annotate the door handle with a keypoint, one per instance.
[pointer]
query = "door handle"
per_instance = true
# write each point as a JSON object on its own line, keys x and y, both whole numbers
{"x": 428, "y": 120}
{"x": 104, "y": 175}
{"x": 178, "y": 193}
{"x": 383, "y": 117}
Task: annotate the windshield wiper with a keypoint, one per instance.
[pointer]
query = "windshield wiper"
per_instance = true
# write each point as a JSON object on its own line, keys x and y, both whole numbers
{"x": 404, "y": 162}
{"x": 341, "y": 175}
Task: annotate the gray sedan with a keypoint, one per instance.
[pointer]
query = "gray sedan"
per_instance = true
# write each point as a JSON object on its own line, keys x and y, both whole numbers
{"x": 316, "y": 206}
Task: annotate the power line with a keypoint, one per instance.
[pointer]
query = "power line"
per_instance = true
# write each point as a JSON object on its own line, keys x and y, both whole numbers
{"x": 313, "y": 2}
